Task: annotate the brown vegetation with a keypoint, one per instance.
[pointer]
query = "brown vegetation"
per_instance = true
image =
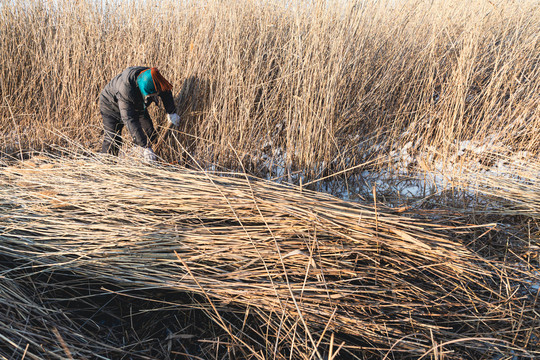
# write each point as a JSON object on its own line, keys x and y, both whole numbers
{"x": 282, "y": 272}
{"x": 108, "y": 258}
{"x": 322, "y": 83}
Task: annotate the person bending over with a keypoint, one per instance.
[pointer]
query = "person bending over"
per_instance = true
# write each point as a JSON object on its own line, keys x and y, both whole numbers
{"x": 124, "y": 102}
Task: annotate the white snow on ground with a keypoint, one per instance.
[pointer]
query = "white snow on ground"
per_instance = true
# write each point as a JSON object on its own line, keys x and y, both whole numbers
{"x": 411, "y": 174}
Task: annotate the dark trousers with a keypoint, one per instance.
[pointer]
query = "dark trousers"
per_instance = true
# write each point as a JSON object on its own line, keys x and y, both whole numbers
{"x": 113, "y": 125}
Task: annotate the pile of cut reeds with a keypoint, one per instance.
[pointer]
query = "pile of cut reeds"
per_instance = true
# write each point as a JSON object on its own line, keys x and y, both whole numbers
{"x": 282, "y": 272}
{"x": 512, "y": 179}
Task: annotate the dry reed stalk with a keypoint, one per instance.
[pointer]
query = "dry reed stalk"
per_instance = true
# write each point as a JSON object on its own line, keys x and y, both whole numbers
{"x": 507, "y": 177}
{"x": 377, "y": 279}
{"x": 38, "y": 330}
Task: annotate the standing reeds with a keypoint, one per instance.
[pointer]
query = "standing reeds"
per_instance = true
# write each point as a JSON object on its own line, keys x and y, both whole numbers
{"x": 299, "y": 83}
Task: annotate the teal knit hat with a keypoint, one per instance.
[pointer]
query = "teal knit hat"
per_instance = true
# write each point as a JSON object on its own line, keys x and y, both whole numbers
{"x": 146, "y": 83}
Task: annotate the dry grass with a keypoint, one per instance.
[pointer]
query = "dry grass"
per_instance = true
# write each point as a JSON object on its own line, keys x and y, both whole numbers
{"x": 322, "y": 84}
{"x": 109, "y": 259}
{"x": 509, "y": 179}
{"x": 299, "y": 269}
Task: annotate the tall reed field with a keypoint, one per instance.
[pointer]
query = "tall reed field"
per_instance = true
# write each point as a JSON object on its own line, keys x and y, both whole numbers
{"x": 327, "y": 85}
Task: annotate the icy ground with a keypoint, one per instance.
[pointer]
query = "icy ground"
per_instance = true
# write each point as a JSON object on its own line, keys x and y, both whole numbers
{"x": 413, "y": 175}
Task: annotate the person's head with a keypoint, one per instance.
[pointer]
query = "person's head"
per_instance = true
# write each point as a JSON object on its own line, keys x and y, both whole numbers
{"x": 151, "y": 83}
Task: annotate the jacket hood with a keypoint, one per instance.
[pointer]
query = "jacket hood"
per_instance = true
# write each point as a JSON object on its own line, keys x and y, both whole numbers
{"x": 151, "y": 82}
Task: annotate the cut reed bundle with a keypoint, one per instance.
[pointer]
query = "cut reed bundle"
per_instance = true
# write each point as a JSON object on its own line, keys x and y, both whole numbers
{"x": 306, "y": 263}
{"x": 512, "y": 178}
{"x": 37, "y": 329}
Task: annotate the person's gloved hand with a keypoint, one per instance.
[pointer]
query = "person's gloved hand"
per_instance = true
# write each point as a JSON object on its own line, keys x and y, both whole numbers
{"x": 174, "y": 119}
{"x": 149, "y": 155}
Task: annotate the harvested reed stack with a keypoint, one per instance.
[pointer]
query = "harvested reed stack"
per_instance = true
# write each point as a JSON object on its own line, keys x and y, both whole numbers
{"x": 511, "y": 178}
{"x": 314, "y": 269}
{"x": 37, "y": 330}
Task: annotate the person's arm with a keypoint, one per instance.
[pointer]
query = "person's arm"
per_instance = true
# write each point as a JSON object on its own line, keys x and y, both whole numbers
{"x": 168, "y": 102}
